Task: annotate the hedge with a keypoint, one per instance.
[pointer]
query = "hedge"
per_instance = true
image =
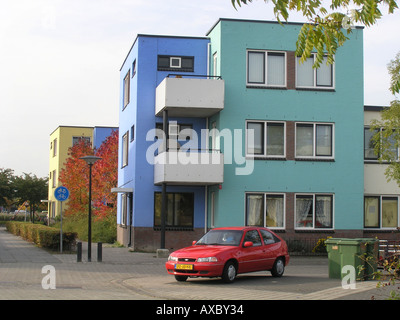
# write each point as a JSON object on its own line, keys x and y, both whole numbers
{"x": 43, "y": 236}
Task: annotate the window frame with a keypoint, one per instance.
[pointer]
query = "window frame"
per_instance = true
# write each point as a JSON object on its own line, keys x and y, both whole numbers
{"x": 126, "y": 90}
{"x": 173, "y": 227}
{"x": 315, "y": 86}
{"x": 376, "y": 158}
{"x": 265, "y": 69}
{"x": 381, "y": 199}
{"x": 314, "y": 199}
{"x": 314, "y": 155}
{"x": 265, "y": 144}
{"x": 171, "y": 67}
{"x": 125, "y": 150}
{"x": 264, "y": 207}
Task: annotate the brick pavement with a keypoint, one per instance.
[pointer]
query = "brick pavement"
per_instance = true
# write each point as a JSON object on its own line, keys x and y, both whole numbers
{"x": 124, "y": 275}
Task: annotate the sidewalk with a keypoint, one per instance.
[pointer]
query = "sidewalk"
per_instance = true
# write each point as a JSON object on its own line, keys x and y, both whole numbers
{"x": 124, "y": 275}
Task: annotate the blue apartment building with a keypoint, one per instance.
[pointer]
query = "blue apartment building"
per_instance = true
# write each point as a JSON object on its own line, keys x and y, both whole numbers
{"x": 251, "y": 136}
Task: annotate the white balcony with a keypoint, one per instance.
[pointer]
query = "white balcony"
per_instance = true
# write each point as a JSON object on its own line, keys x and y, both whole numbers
{"x": 190, "y": 97}
{"x": 189, "y": 168}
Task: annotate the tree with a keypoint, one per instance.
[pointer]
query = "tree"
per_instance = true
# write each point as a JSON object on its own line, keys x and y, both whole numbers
{"x": 6, "y": 187}
{"x": 387, "y": 130}
{"x": 75, "y": 177}
{"x": 30, "y": 188}
{"x": 326, "y": 30}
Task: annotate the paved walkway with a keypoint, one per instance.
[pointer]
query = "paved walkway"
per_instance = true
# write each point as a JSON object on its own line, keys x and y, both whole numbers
{"x": 124, "y": 275}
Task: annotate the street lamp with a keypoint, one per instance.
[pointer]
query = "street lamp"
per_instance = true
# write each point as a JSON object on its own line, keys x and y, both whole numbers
{"x": 90, "y": 160}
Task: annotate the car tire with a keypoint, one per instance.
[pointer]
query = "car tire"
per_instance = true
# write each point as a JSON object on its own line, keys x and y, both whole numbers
{"x": 229, "y": 272}
{"x": 279, "y": 268}
{"x": 181, "y": 278}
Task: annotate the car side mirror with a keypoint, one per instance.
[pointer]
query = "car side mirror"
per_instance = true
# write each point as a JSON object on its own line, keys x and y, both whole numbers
{"x": 194, "y": 242}
{"x": 248, "y": 244}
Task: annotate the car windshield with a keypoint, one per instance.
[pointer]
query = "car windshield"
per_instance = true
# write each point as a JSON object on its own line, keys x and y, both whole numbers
{"x": 221, "y": 238}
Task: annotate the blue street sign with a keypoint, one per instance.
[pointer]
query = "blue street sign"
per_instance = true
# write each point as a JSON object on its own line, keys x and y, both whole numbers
{"x": 61, "y": 193}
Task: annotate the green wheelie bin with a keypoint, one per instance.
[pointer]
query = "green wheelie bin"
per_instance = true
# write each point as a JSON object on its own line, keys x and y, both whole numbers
{"x": 343, "y": 252}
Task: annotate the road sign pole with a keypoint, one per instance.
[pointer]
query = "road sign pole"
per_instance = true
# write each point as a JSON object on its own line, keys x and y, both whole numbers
{"x": 61, "y": 233}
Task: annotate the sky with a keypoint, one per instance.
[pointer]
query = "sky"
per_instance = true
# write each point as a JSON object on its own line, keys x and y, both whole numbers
{"x": 60, "y": 61}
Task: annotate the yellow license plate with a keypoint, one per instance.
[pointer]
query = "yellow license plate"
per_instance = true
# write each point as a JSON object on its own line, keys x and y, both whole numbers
{"x": 184, "y": 266}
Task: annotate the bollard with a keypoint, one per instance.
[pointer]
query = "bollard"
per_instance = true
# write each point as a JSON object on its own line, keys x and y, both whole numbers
{"x": 79, "y": 252}
{"x": 99, "y": 252}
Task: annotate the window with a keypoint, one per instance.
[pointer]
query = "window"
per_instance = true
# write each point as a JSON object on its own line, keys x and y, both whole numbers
{"x": 266, "y": 68}
{"x": 309, "y": 77}
{"x": 133, "y": 68}
{"x": 180, "y": 210}
{"x": 264, "y": 209}
{"x": 132, "y": 133}
{"x": 124, "y": 209}
{"x": 314, "y": 140}
{"x": 54, "y": 176}
{"x": 76, "y": 140}
{"x": 125, "y": 149}
{"x": 381, "y": 212}
{"x": 55, "y": 146}
{"x": 268, "y": 237}
{"x": 369, "y": 145}
{"x": 314, "y": 211}
{"x": 254, "y": 237}
{"x": 267, "y": 140}
{"x": 175, "y": 63}
{"x": 126, "y": 89}
{"x": 215, "y": 64}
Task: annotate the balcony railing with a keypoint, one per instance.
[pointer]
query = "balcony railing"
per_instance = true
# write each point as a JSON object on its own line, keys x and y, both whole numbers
{"x": 190, "y": 97}
{"x": 189, "y": 168}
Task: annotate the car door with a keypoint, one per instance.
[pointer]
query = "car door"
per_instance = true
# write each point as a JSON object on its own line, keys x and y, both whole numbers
{"x": 270, "y": 249}
{"x": 251, "y": 257}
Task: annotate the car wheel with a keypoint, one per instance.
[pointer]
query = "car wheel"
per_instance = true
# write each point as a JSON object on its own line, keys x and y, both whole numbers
{"x": 279, "y": 268}
{"x": 229, "y": 273}
{"x": 181, "y": 278}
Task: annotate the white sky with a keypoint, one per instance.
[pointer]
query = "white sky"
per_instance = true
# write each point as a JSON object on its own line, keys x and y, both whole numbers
{"x": 60, "y": 61}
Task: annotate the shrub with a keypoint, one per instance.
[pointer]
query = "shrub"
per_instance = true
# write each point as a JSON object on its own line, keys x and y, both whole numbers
{"x": 43, "y": 236}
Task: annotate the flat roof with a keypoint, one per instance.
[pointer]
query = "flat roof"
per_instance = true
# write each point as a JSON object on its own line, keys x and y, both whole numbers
{"x": 262, "y": 21}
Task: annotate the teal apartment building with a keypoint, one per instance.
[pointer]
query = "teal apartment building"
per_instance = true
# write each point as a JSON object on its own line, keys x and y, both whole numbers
{"x": 304, "y": 174}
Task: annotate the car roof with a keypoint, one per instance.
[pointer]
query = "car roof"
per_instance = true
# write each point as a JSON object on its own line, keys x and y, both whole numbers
{"x": 238, "y": 228}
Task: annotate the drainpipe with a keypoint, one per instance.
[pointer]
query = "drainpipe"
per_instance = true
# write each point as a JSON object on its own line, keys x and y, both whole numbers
{"x": 164, "y": 185}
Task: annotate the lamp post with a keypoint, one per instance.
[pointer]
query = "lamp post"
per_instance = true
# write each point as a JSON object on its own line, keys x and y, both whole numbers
{"x": 90, "y": 160}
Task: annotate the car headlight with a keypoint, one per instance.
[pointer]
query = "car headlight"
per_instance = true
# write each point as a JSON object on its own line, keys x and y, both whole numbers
{"x": 207, "y": 259}
{"x": 172, "y": 258}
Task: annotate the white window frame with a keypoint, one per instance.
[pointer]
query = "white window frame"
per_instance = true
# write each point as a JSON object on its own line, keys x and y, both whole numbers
{"x": 314, "y": 155}
{"x": 265, "y": 83}
{"x": 179, "y": 59}
{"x": 265, "y": 194}
{"x": 265, "y": 127}
{"x": 315, "y": 86}
{"x": 314, "y": 195}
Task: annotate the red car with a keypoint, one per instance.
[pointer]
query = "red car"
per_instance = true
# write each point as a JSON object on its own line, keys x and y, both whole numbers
{"x": 226, "y": 252}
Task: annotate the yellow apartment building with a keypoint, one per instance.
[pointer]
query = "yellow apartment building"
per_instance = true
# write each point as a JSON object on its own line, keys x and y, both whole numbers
{"x": 61, "y": 139}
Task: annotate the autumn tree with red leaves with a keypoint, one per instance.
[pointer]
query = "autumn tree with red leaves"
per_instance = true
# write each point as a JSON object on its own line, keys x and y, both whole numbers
{"x": 75, "y": 177}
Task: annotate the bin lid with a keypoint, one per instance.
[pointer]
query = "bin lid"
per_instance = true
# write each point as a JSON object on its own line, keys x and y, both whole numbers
{"x": 345, "y": 241}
